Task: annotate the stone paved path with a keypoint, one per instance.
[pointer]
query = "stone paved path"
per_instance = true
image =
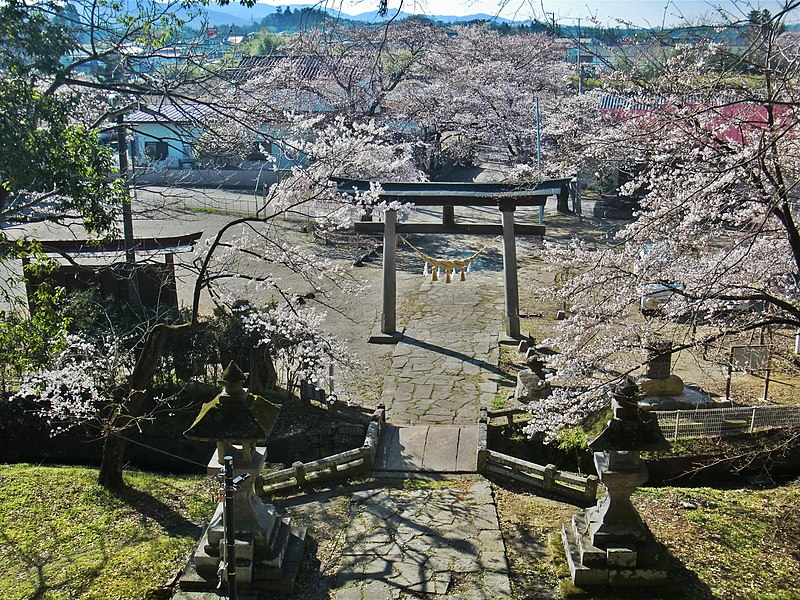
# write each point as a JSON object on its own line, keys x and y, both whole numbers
{"x": 445, "y": 367}
{"x": 428, "y": 449}
{"x": 441, "y": 539}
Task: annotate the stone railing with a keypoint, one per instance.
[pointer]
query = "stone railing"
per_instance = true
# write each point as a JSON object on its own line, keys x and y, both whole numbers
{"x": 507, "y": 413}
{"x": 547, "y": 478}
{"x": 331, "y": 468}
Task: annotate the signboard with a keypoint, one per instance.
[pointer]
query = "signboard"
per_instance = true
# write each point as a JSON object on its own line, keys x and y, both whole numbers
{"x": 750, "y": 358}
{"x": 212, "y": 32}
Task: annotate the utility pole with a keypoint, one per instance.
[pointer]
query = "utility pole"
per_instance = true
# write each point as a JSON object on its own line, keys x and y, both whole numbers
{"x": 127, "y": 215}
{"x": 578, "y": 61}
{"x": 552, "y": 20}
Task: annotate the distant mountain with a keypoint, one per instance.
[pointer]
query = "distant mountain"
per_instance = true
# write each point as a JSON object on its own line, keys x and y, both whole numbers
{"x": 238, "y": 15}
{"x": 243, "y": 14}
{"x": 257, "y": 12}
{"x": 374, "y": 17}
{"x": 476, "y": 17}
{"x": 233, "y": 14}
{"x": 216, "y": 18}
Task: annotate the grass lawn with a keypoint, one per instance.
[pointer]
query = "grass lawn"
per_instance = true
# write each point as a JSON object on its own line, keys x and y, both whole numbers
{"x": 726, "y": 544}
{"x": 64, "y": 536}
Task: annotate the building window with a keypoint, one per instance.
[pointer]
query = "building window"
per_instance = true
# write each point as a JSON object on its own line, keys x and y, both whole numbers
{"x": 156, "y": 150}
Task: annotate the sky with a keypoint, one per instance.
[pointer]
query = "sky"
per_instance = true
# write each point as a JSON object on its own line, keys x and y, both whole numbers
{"x": 652, "y": 13}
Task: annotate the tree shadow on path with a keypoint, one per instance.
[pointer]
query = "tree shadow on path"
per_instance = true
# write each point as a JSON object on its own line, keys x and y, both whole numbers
{"x": 411, "y": 341}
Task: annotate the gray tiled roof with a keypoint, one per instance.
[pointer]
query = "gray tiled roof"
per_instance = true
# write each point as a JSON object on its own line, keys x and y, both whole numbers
{"x": 167, "y": 113}
{"x": 303, "y": 67}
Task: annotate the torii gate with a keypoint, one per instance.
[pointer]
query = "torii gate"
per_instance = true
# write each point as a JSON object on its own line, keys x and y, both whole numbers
{"x": 448, "y": 195}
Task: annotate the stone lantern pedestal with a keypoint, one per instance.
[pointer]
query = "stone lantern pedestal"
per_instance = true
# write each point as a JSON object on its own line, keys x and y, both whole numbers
{"x": 609, "y": 544}
{"x": 250, "y": 510}
{"x": 268, "y": 549}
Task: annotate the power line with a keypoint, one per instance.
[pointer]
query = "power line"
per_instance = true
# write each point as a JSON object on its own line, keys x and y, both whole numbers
{"x": 188, "y": 460}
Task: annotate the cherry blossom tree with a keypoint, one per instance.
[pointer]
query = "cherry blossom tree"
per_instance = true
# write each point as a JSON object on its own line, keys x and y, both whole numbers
{"x": 81, "y": 383}
{"x": 479, "y": 89}
{"x": 334, "y": 74}
{"x": 229, "y": 267}
{"x": 295, "y": 336}
{"x": 714, "y": 141}
{"x": 121, "y": 45}
{"x": 358, "y": 70}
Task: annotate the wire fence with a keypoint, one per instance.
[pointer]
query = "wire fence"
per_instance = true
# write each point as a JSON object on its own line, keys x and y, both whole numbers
{"x": 228, "y": 202}
{"x": 715, "y": 422}
{"x": 240, "y": 203}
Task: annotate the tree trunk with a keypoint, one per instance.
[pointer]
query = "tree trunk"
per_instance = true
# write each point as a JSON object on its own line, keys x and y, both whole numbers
{"x": 263, "y": 375}
{"x": 110, "y": 476}
{"x": 563, "y": 201}
{"x": 141, "y": 379}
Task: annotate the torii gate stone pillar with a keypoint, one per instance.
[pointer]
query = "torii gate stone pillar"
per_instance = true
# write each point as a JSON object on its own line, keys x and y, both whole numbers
{"x": 510, "y": 270}
{"x": 389, "y": 313}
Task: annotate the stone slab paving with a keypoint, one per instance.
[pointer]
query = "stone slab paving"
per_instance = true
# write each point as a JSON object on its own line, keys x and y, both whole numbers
{"x": 428, "y": 449}
{"x": 439, "y": 538}
{"x": 442, "y": 539}
{"x": 445, "y": 366}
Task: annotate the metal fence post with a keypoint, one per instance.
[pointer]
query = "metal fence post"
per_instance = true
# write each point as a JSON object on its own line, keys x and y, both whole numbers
{"x": 677, "y": 421}
{"x": 230, "y": 539}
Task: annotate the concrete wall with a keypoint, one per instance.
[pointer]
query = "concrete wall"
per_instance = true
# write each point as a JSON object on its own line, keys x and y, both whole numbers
{"x": 249, "y": 179}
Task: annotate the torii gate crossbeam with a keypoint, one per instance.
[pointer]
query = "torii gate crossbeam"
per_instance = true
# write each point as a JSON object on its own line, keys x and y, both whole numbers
{"x": 506, "y": 197}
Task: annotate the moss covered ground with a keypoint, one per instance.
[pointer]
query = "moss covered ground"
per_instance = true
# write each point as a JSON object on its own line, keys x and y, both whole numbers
{"x": 727, "y": 544}
{"x": 64, "y": 536}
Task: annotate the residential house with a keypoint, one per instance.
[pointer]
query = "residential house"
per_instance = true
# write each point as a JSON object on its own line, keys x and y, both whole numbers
{"x": 164, "y": 135}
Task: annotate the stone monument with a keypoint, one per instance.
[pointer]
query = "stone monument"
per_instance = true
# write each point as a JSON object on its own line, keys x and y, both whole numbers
{"x": 531, "y": 384}
{"x": 268, "y": 550}
{"x": 661, "y": 388}
{"x": 658, "y": 379}
{"x": 609, "y": 544}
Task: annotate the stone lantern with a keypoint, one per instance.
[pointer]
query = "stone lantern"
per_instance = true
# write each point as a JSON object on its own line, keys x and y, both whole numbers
{"x": 609, "y": 544}
{"x": 268, "y": 550}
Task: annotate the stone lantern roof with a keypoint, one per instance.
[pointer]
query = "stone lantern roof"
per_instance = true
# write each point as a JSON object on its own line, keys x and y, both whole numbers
{"x": 631, "y": 428}
{"x": 235, "y": 415}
